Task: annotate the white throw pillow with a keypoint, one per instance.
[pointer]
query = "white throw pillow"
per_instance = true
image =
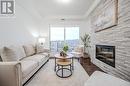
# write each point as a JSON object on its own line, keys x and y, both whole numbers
{"x": 40, "y": 48}
{"x": 21, "y": 52}
{"x": 12, "y": 53}
{"x": 29, "y": 49}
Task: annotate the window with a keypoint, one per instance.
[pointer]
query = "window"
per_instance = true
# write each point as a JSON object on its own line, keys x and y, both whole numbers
{"x": 72, "y": 37}
{"x": 61, "y": 35}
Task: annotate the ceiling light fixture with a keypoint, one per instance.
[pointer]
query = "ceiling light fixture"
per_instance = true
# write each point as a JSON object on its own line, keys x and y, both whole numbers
{"x": 64, "y": 1}
{"x": 62, "y": 19}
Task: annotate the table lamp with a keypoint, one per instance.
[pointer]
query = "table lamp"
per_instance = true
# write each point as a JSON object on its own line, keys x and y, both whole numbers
{"x": 41, "y": 40}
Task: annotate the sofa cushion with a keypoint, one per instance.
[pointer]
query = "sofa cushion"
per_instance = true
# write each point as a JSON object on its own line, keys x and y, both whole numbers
{"x": 28, "y": 67}
{"x": 38, "y": 58}
{"x": 12, "y": 53}
{"x": 102, "y": 79}
{"x": 44, "y": 54}
{"x": 39, "y": 48}
{"x": 29, "y": 49}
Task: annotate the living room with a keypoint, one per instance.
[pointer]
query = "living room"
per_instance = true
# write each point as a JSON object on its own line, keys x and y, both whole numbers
{"x": 64, "y": 42}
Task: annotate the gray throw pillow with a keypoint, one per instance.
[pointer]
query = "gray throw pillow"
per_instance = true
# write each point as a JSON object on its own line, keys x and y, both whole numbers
{"x": 8, "y": 54}
{"x": 12, "y": 53}
{"x": 40, "y": 48}
{"x": 29, "y": 49}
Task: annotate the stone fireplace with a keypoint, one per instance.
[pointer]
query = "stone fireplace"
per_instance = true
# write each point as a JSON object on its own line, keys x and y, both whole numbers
{"x": 118, "y": 36}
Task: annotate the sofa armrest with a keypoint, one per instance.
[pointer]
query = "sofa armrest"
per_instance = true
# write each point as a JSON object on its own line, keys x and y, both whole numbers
{"x": 102, "y": 79}
{"x": 10, "y": 74}
{"x": 46, "y": 50}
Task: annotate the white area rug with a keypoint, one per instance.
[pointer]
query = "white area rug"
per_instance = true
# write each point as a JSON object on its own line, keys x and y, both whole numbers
{"x": 47, "y": 76}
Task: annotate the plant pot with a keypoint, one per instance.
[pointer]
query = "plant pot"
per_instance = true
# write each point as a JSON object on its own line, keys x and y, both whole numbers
{"x": 86, "y": 55}
{"x": 63, "y": 54}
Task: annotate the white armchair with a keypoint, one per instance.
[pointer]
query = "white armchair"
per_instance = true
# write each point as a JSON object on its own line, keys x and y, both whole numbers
{"x": 10, "y": 74}
{"x": 78, "y": 52}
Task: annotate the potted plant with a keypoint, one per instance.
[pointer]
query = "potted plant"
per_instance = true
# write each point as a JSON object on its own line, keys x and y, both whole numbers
{"x": 64, "y": 51}
{"x": 86, "y": 42}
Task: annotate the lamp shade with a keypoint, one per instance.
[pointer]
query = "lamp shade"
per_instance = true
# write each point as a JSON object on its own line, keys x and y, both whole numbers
{"x": 41, "y": 40}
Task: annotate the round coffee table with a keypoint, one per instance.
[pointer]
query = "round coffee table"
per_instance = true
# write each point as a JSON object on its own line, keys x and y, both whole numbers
{"x": 64, "y": 64}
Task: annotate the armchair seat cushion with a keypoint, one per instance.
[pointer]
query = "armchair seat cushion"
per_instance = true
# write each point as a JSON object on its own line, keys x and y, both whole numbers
{"x": 77, "y": 54}
{"x": 78, "y": 51}
{"x": 28, "y": 67}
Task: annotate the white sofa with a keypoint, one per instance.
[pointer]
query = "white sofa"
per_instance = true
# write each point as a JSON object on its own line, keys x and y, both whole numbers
{"x": 20, "y": 63}
{"x": 102, "y": 79}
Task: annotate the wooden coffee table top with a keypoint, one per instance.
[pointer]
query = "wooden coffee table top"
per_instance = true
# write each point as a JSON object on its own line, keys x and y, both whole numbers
{"x": 69, "y": 56}
{"x": 63, "y": 62}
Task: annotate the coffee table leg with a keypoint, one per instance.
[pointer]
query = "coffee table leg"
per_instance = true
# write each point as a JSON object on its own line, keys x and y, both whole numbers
{"x": 55, "y": 65}
{"x": 70, "y": 67}
{"x": 62, "y": 71}
{"x": 72, "y": 64}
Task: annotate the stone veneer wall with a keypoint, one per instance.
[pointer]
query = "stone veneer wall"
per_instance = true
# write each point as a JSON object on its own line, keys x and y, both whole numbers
{"x": 118, "y": 36}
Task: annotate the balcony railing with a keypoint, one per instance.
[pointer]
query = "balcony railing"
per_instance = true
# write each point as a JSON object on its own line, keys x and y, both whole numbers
{"x": 57, "y": 46}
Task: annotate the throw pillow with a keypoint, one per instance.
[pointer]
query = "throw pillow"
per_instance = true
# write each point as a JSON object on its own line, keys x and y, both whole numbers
{"x": 29, "y": 49}
{"x": 9, "y": 54}
{"x": 39, "y": 48}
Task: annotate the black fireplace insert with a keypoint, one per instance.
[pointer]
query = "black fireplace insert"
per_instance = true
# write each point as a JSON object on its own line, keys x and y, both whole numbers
{"x": 106, "y": 54}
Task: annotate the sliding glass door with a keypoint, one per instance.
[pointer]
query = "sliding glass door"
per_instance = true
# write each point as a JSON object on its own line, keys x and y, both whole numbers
{"x": 61, "y": 35}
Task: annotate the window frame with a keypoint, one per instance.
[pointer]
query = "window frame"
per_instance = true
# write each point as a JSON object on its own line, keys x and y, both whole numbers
{"x": 64, "y": 33}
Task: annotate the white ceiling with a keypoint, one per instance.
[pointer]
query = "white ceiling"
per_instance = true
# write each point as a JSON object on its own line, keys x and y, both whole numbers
{"x": 76, "y": 9}
{"x": 55, "y": 8}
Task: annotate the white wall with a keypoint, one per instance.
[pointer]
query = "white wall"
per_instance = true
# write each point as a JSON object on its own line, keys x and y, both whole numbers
{"x": 25, "y": 27}
{"x": 20, "y": 29}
